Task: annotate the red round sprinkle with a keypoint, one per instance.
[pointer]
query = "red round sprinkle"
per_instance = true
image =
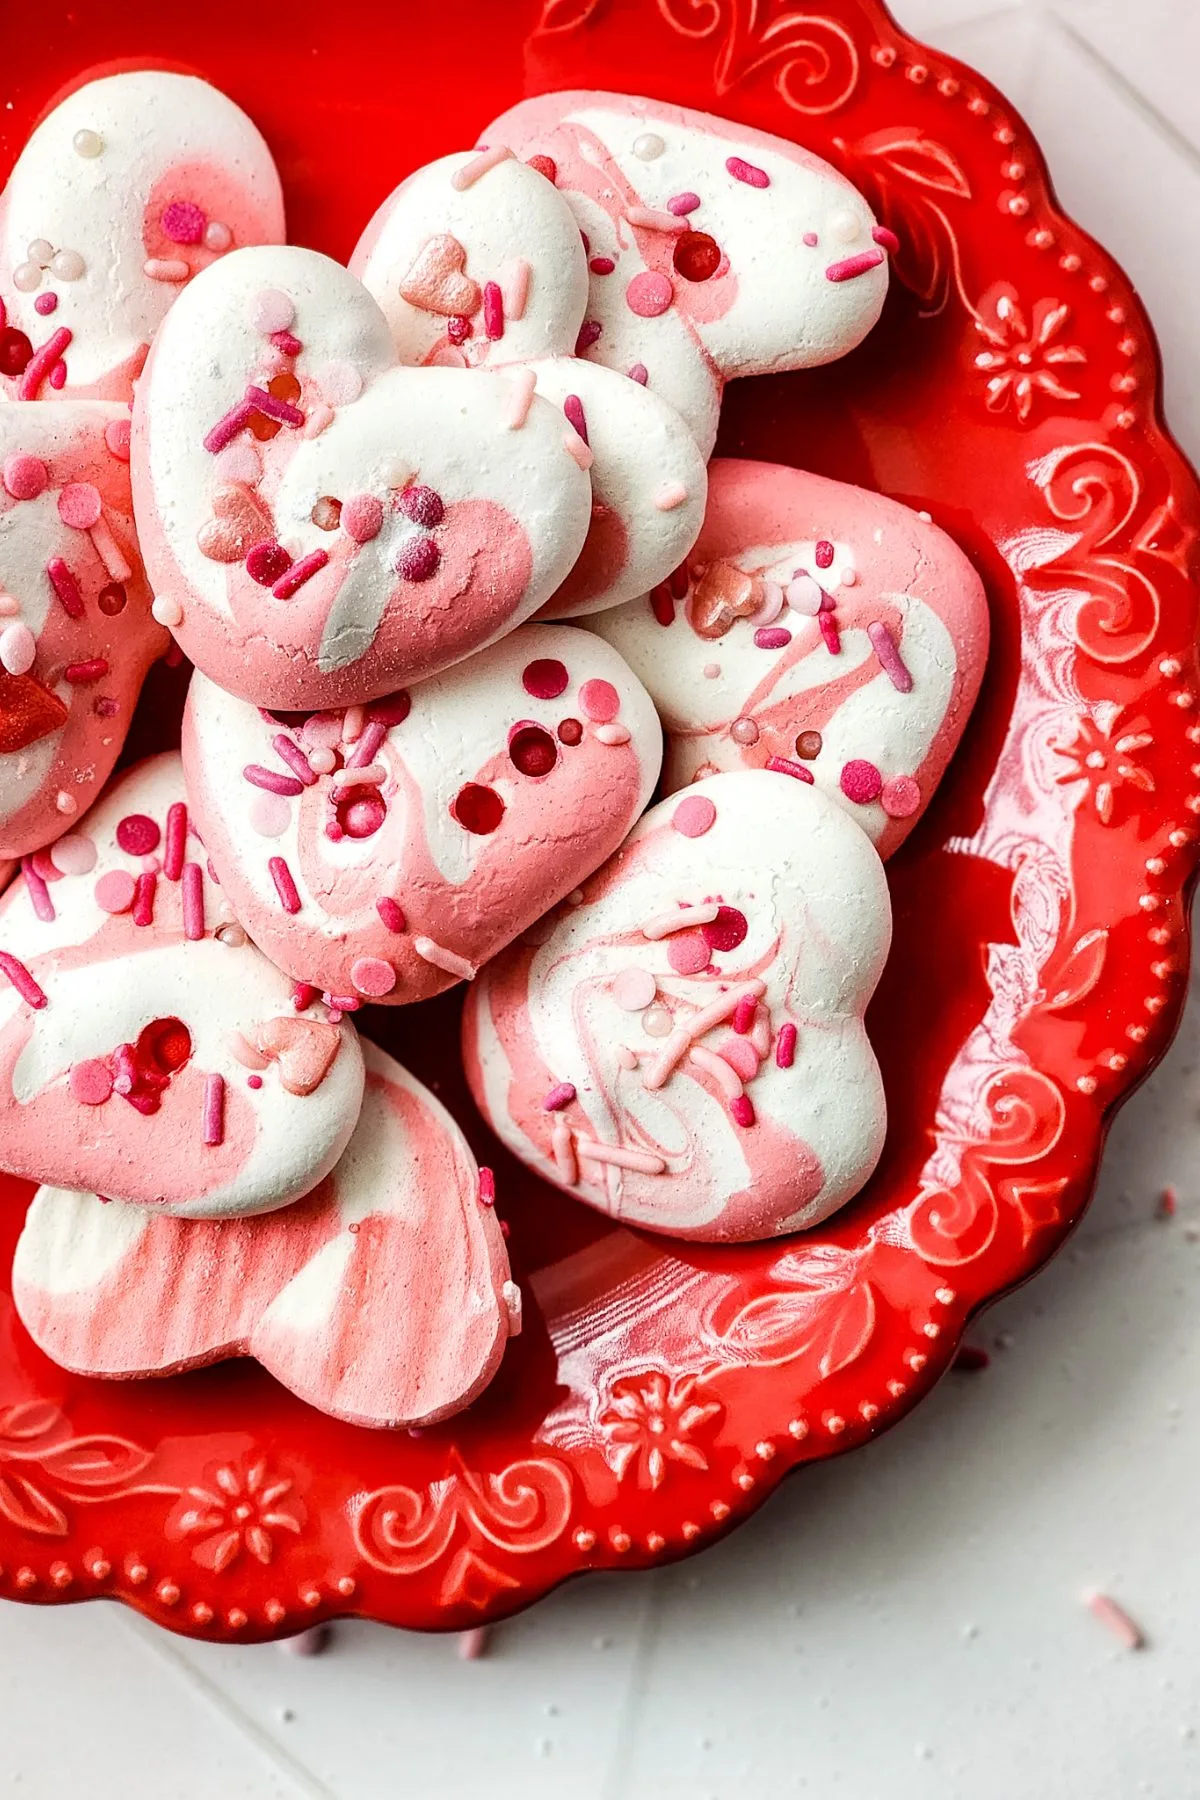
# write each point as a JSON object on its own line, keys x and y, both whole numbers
{"x": 477, "y": 809}
{"x": 687, "y": 952}
{"x": 861, "y": 781}
{"x": 697, "y": 256}
{"x": 163, "y": 1047}
{"x": 600, "y": 701}
{"x": 694, "y": 816}
{"x": 570, "y": 731}
{"x": 423, "y": 505}
{"x": 545, "y": 165}
{"x": 901, "y": 797}
{"x": 111, "y": 599}
{"x": 458, "y": 329}
{"x": 16, "y": 350}
{"x": 137, "y": 835}
{"x": 727, "y": 930}
{"x": 392, "y": 709}
{"x": 602, "y": 265}
{"x": 545, "y": 678}
{"x": 589, "y": 331}
{"x": 183, "y": 222}
{"x": 391, "y": 912}
{"x": 823, "y": 554}
{"x": 46, "y": 303}
{"x": 532, "y": 750}
{"x": 360, "y": 813}
{"x": 418, "y": 559}
{"x": 265, "y": 563}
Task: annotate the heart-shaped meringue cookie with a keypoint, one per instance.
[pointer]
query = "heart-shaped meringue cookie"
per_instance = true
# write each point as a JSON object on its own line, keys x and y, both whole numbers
{"x": 684, "y": 1047}
{"x": 130, "y": 1010}
{"x": 132, "y": 185}
{"x": 417, "y": 514}
{"x": 386, "y": 852}
{"x": 858, "y": 661}
{"x": 383, "y": 1298}
{"x": 714, "y": 250}
{"x": 76, "y": 634}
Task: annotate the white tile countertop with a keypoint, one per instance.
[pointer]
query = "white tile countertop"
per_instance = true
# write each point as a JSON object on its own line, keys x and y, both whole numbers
{"x": 908, "y": 1623}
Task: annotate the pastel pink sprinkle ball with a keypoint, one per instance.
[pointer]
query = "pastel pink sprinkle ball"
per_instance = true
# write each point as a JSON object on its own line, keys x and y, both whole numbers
{"x": 90, "y": 1082}
{"x": 687, "y": 952}
{"x": 901, "y": 797}
{"x": 114, "y": 891}
{"x": 694, "y": 816}
{"x": 271, "y": 311}
{"x": 25, "y": 477}
{"x": 649, "y": 294}
{"x": 116, "y": 436}
{"x": 373, "y": 976}
{"x": 634, "y": 989}
{"x": 600, "y": 701}
{"x": 362, "y": 517}
{"x": 73, "y": 854}
{"x": 79, "y": 505}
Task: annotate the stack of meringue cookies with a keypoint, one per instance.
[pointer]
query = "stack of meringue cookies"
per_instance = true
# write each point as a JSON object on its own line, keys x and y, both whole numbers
{"x": 439, "y": 534}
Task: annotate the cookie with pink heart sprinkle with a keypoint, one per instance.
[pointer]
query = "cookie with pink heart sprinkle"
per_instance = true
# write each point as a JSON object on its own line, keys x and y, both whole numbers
{"x": 819, "y": 628}
{"x": 76, "y": 632}
{"x": 321, "y": 525}
{"x": 124, "y": 192}
{"x": 423, "y": 832}
{"x": 383, "y": 1298}
{"x": 147, "y": 1050}
{"x": 683, "y": 1047}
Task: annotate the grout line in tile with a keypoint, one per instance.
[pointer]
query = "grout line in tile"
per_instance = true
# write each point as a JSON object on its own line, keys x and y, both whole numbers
{"x": 615, "y": 1785}
{"x": 160, "y": 1644}
{"x": 1117, "y": 78}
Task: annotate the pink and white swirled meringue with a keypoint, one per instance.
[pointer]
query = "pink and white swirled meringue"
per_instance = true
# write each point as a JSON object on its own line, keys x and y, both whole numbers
{"x": 422, "y": 832}
{"x": 383, "y": 1298}
{"x": 147, "y": 1050}
{"x": 683, "y": 1047}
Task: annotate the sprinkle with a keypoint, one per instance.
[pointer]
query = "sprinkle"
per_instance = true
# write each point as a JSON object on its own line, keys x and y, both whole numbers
{"x": 65, "y": 586}
{"x": 1168, "y": 1203}
{"x": 353, "y": 720}
{"x": 109, "y": 551}
{"x": 742, "y": 1111}
{"x": 649, "y": 294}
{"x": 694, "y": 816}
{"x": 577, "y": 450}
{"x": 39, "y": 893}
{"x": 214, "y": 1109}
{"x": 648, "y": 218}
{"x": 271, "y": 311}
{"x": 166, "y": 268}
{"x": 860, "y": 781}
{"x": 217, "y": 237}
{"x": 612, "y": 734}
{"x": 227, "y": 428}
{"x": 589, "y": 331}
{"x": 887, "y": 238}
{"x": 373, "y": 976}
{"x": 783, "y": 765}
{"x": 65, "y": 803}
{"x": 851, "y": 266}
{"x": 663, "y": 924}
{"x": 283, "y": 340}
{"x": 601, "y": 265}
{"x": 516, "y": 289}
{"x": 303, "y": 995}
{"x": 648, "y": 146}
{"x": 803, "y": 595}
{"x": 684, "y": 203}
{"x": 744, "y": 731}
{"x": 670, "y": 495}
{"x": 25, "y": 476}
{"x": 493, "y": 309}
{"x": 1117, "y": 1620}
{"x": 633, "y": 989}
{"x": 391, "y": 912}
{"x": 193, "y": 902}
{"x": 743, "y": 1014}
{"x": 87, "y": 143}
{"x": 184, "y": 222}
{"x": 829, "y": 632}
{"x": 884, "y": 646}
{"x": 823, "y": 554}
{"x": 285, "y": 887}
{"x": 638, "y": 373}
{"x": 522, "y": 385}
{"x": 138, "y": 835}
{"x": 272, "y": 408}
{"x": 80, "y": 673}
{"x": 22, "y": 980}
{"x": 272, "y": 781}
{"x": 487, "y": 1186}
{"x": 42, "y": 362}
{"x": 442, "y": 958}
{"x": 299, "y": 573}
{"x": 418, "y": 559}
{"x": 620, "y": 1157}
{"x": 559, "y": 1096}
{"x": 114, "y": 891}
{"x": 563, "y": 1145}
{"x": 470, "y": 172}
{"x": 901, "y": 797}
{"x": 785, "y": 1047}
{"x": 573, "y": 408}
{"x": 166, "y": 610}
{"x": 722, "y": 1073}
{"x": 18, "y": 648}
{"x": 290, "y": 752}
{"x": 90, "y": 1082}
{"x": 73, "y": 855}
{"x": 683, "y": 1036}
{"x": 744, "y": 171}
{"x": 362, "y": 517}
{"x": 662, "y": 605}
{"x": 143, "y": 898}
{"x": 772, "y": 638}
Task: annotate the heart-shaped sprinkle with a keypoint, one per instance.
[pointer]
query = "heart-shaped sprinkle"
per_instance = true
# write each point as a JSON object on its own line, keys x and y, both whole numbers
{"x": 435, "y": 280}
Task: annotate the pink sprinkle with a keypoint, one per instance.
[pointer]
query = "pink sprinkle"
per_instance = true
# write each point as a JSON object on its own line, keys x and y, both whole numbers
{"x": 669, "y": 496}
{"x": 634, "y": 989}
{"x": 271, "y": 310}
{"x": 175, "y": 850}
{"x": 80, "y": 673}
{"x": 860, "y": 781}
{"x": 573, "y": 407}
{"x": 522, "y": 385}
{"x": 291, "y": 753}
{"x": 227, "y": 428}
{"x": 373, "y": 976}
{"x": 783, "y": 765}
{"x": 143, "y": 898}
{"x": 254, "y": 1081}
{"x": 46, "y": 304}
{"x": 303, "y": 995}
{"x": 79, "y": 505}
{"x": 25, "y": 477}
{"x": 214, "y": 1109}
{"x": 589, "y": 331}
{"x": 518, "y": 288}
{"x": 66, "y": 587}
{"x": 90, "y": 1082}
{"x": 353, "y": 720}
{"x": 42, "y": 363}
{"x": 559, "y": 1096}
{"x": 114, "y": 891}
{"x": 1117, "y": 1620}
{"x": 285, "y": 887}
{"x": 600, "y": 701}
{"x": 73, "y": 855}
{"x": 183, "y": 222}
{"x": 649, "y": 294}
{"x": 271, "y": 408}
{"x": 741, "y": 1111}
{"x": 272, "y": 781}
{"x": 901, "y": 797}
{"x": 810, "y": 238}
{"x": 785, "y": 1047}
{"x": 470, "y": 172}
{"x": 363, "y": 754}
{"x": 884, "y": 646}
{"x": 39, "y": 893}
{"x": 823, "y": 554}
{"x": 649, "y": 218}
{"x": 193, "y": 902}
{"x": 850, "y": 266}
{"x": 487, "y": 1186}
{"x": 744, "y": 171}
{"x": 694, "y": 816}
{"x": 829, "y": 631}
{"x": 392, "y": 913}
{"x": 362, "y": 517}
{"x": 493, "y": 309}
{"x": 682, "y": 204}
{"x": 887, "y": 238}
{"x": 58, "y": 375}
{"x": 640, "y": 374}
{"x": 743, "y": 1014}
{"x": 22, "y": 980}
{"x": 418, "y": 559}
{"x": 283, "y": 340}
{"x": 577, "y": 450}
{"x": 116, "y": 436}
{"x": 138, "y": 835}
{"x": 688, "y": 953}
{"x": 299, "y": 573}
{"x": 772, "y": 637}
{"x": 602, "y": 265}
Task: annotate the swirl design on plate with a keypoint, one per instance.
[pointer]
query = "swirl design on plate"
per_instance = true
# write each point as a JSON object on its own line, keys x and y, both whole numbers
{"x": 44, "y": 1463}
{"x": 826, "y": 1312}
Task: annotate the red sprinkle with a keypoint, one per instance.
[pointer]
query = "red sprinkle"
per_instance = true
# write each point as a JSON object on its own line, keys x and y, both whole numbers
{"x": 886, "y": 238}
{"x": 266, "y": 563}
{"x": 299, "y": 573}
{"x": 785, "y": 1047}
{"x": 176, "y": 841}
{"x": 290, "y": 752}
{"x": 743, "y": 1014}
{"x": 860, "y": 781}
{"x": 227, "y": 428}
{"x": 493, "y": 309}
{"x": 65, "y": 586}
{"x": 273, "y": 408}
{"x": 545, "y": 165}
{"x": 214, "y": 1109}
{"x": 392, "y": 913}
{"x": 42, "y": 363}
{"x": 639, "y": 373}
{"x": 772, "y": 637}
{"x": 303, "y": 995}
{"x": 589, "y": 331}
{"x": 363, "y": 753}
{"x": 545, "y": 678}
{"x": 850, "y": 266}
{"x": 830, "y": 633}
{"x": 742, "y": 1111}
{"x": 783, "y": 765}
{"x": 823, "y": 554}
{"x": 143, "y": 898}
{"x": 138, "y": 835}
{"x": 418, "y": 559}
{"x": 423, "y": 505}
{"x": 39, "y": 893}
{"x": 272, "y": 781}
{"x": 559, "y": 1096}
{"x": 285, "y": 887}
{"x": 662, "y": 605}
{"x": 81, "y": 672}
{"x": 487, "y": 1187}
{"x": 744, "y": 171}
{"x": 283, "y": 340}
{"x": 573, "y": 407}
{"x": 193, "y": 902}
{"x": 22, "y": 980}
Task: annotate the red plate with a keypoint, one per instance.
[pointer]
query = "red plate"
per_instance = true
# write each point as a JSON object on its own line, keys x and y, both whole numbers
{"x": 660, "y": 1391}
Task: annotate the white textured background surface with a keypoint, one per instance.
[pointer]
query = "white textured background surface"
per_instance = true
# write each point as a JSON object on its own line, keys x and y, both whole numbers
{"x": 907, "y": 1623}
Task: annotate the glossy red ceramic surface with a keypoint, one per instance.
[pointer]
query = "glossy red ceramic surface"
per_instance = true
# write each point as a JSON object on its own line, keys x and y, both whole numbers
{"x": 660, "y": 1391}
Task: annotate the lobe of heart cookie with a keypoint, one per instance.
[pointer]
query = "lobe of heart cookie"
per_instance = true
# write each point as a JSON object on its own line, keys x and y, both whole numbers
{"x": 436, "y": 281}
{"x": 28, "y": 712}
{"x": 303, "y": 1048}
